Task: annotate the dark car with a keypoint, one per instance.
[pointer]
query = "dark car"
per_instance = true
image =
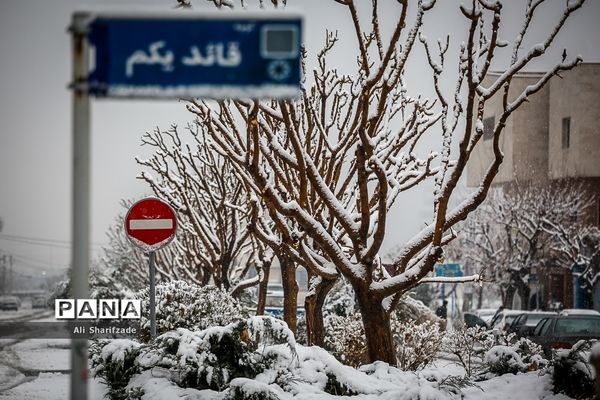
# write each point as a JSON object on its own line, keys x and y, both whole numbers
{"x": 472, "y": 320}
{"x": 9, "y": 303}
{"x": 503, "y": 319}
{"x": 525, "y": 323}
{"x": 563, "y": 331}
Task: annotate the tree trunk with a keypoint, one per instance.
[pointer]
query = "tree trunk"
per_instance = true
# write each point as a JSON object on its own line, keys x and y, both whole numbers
{"x": 524, "y": 291}
{"x": 509, "y": 295}
{"x": 479, "y": 296}
{"x": 313, "y": 306}
{"x": 262, "y": 288}
{"x": 290, "y": 291}
{"x": 225, "y": 264}
{"x": 376, "y": 323}
{"x": 206, "y": 274}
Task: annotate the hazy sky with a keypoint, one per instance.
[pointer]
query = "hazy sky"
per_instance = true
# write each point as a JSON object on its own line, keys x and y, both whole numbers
{"x": 35, "y": 117}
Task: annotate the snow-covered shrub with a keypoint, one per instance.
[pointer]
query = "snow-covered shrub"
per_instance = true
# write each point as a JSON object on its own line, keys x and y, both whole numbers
{"x": 416, "y": 343}
{"x": 531, "y": 354}
{"x": 183, "y": 305}
{"x": 211, "y": 358}
{"x": 520, "y": 355}
{"x": 345, "y": 338}
{"x": 255, "y": 359}
{"x": 113, "y": 362}
{"x": 469, "y": 345}
{"x": 572, "y": 373}
{"x": 502, "y": 360}
{"x": 248, "y": 389}
{"x": 301, "y": 334}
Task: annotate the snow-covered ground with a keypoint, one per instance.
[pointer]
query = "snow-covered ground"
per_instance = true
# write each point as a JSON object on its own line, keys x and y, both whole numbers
{"x": 529, "y": 386}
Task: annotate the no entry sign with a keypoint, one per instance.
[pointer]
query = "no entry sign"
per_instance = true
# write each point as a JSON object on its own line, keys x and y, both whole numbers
{"x": 151, "y": 224}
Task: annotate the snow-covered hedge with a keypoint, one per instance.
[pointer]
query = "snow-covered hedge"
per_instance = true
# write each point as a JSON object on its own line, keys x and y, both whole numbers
{"x": 572, "y": 373}
{"x": 254, "y": 359}
{"x": 183, "y": 305}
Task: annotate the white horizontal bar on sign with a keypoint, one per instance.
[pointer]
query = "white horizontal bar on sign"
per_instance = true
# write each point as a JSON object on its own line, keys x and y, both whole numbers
{"x": 150, "y": 224}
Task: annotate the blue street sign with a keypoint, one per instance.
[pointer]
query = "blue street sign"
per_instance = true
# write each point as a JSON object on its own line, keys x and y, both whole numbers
{"x": 449, "y": 270}
{"x": 217, "y": 55}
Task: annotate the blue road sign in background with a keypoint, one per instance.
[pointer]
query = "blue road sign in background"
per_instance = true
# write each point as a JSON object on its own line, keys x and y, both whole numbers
{"x": 196, "y": 56}
{"x": 449, "y": 270}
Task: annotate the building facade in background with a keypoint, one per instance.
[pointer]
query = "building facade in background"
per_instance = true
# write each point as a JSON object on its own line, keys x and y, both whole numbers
{"x": 552, "y": 139}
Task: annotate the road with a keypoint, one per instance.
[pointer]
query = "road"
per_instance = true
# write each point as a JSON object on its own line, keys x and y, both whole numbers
{"x": 36, "y": 369}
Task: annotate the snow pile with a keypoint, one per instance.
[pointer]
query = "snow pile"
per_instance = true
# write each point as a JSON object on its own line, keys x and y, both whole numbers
{"x": 181, "y": 304}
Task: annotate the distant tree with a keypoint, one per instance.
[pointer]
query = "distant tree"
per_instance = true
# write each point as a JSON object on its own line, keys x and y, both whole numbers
{"x": 524, "y": 229}
{"x": 578, "y": 245}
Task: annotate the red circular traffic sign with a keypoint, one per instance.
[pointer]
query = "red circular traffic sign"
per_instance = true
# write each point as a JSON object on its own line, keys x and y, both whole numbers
{"x": 150, "y": 224}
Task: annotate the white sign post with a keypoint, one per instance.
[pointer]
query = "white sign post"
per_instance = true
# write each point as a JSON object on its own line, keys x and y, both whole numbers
{"x": 151, "y": 224}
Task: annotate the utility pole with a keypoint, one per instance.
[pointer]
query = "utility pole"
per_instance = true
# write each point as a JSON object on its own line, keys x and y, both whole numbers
{"x": 81, "y": 195}
{"x": 3, "y": 274}
{"x": 10, "y": 274}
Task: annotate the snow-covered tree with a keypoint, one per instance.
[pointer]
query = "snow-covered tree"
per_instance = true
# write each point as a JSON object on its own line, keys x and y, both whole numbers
{"x": 328, "y": 167}
{"x": 214, "y": 214}
{"x": 208, "y": 197}
{"x": 578, "y": 245}
{"x": 523, "y": 229}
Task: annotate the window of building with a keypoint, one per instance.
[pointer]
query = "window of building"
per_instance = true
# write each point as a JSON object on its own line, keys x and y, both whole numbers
{"x": 488, "y": 128}
{"x": 566, "y": 132}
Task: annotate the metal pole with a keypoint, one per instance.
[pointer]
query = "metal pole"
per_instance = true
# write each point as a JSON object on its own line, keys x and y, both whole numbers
{"x": 152, "y": 295}
{"x": 81, "y": 196}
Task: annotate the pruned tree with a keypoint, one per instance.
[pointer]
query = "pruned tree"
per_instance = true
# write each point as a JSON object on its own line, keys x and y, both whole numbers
{"x": 328, "y": 167}
{"x": 211, "y": 203}
{"x": 525, "y": 229}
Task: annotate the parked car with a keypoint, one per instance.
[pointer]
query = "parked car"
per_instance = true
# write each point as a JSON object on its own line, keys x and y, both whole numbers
{"x": 9, "y": 303}
{"x": 563, "y": 331}
{"x": 486, "y": 314}
{"x": 578, "y": 311}
{"x": 274, "y": 295}
{"x": 504, "y": 318}
{"x": 525, "y": 323}
{"x": 472, "y": 320}
{"x": 39, "y": 302}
